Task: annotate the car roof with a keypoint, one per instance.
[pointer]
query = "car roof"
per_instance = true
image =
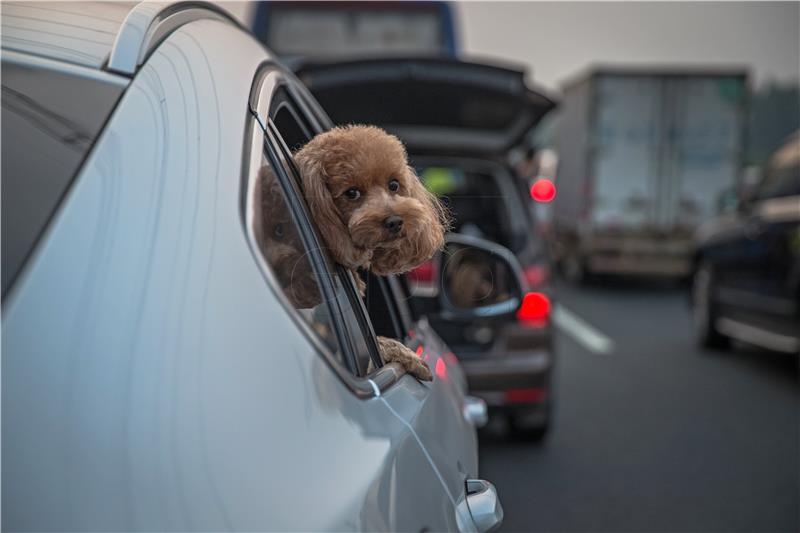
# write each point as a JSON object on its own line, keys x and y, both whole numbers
{"x": 75, "y": 32}
{"x": 113, "y": 36}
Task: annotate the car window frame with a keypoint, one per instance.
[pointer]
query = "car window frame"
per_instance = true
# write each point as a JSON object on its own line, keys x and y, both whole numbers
{"x": 260, "y": 135}
{"x": 314, "y": 249}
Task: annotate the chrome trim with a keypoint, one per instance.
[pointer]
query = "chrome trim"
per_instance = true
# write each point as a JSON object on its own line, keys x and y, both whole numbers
{"x": 475, "y": 411}
{"x": 483, "y": 505}
{"x": 755, "y": 335}
{"x": 149, "y": 23}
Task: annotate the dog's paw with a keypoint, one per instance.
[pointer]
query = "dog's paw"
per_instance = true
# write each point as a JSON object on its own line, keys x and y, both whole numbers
{"x": 393, "y": 351}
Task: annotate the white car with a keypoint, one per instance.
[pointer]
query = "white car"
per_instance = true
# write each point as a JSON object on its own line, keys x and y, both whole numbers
{"x": 155, "y": 375}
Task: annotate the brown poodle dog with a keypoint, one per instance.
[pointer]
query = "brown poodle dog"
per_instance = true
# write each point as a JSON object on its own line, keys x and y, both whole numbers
{"x": 368, "y": 203}
{"x": 372, "y": 210}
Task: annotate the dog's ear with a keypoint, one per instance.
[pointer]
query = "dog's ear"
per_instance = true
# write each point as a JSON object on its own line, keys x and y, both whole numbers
{"x": 310, "y": 162}
{"x": 430, "y": 241}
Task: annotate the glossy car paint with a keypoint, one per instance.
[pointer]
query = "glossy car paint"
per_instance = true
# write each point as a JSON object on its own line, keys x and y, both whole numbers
{"x": 152, "y": 380}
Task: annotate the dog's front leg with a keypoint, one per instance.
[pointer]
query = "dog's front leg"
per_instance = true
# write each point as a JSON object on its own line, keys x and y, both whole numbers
{"x": 393, "y": 351}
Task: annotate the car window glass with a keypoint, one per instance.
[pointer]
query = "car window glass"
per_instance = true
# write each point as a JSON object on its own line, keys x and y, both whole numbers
{"x": 780, "y": 182}
{"x": 782, "y": 175}
{"x": 474, "y": 200}
{"x": 281, "y": 245}
{"x": 50, "y": 122}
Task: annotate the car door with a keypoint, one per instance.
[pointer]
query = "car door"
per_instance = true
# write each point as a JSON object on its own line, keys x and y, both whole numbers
{"x": 416, "y": 409}
{"x": 772, "y": 278}
{"x": 756, "y": 257}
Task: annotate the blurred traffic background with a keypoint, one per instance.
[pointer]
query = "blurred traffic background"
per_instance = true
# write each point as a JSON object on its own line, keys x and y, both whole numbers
{"x": 642, "y": 160}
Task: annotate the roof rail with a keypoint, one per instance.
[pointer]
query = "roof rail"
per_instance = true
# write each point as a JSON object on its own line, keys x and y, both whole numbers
{"x": 149, "y": 23}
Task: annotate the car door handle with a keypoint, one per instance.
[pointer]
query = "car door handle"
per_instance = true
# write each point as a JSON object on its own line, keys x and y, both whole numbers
{"x": 484, "y": 505}
{"x": 475, "y": 411}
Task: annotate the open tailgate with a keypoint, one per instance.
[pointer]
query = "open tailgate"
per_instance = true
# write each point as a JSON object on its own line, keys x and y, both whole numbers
{"x": 433, "y": 104}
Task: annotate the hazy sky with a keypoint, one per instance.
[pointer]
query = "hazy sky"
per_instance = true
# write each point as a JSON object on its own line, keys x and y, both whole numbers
{"x": 556, "y": 40}
{"x": 559, "y": 39}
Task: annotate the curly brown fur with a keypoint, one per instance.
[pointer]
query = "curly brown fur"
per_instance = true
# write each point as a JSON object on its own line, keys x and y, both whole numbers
{"x": 393, "y": 351}
{"x": 356, "y": 226}
{"x": 372, "y": 210}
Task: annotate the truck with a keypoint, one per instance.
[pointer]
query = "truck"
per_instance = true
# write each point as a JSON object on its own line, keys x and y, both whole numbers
{"x": 644, "y": 156}
{"x": 351, "y": 29}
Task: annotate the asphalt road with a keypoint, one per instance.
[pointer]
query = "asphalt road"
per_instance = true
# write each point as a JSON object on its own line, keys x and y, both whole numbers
{"x": 655, "y": 435}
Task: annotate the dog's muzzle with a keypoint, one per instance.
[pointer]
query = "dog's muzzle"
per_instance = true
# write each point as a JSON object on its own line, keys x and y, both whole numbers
{"x": 393, "y": 224}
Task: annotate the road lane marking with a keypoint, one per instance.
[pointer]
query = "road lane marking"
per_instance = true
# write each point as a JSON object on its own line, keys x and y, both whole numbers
{"x": 584, "y": 333}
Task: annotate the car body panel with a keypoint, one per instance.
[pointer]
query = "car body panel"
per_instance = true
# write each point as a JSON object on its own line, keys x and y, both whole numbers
{"x": 151, "y": 379}
{"x": 754, "y": 255}
{"x": 81, "y": 33}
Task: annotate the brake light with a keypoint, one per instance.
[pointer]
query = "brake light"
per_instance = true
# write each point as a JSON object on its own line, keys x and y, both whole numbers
{"x": 423, "y": 273}
{"x": 535, "y": 309}
{"x": 543, "y": 190}
{"x": 536, "y": 275}
{"x": 531, "y": 395}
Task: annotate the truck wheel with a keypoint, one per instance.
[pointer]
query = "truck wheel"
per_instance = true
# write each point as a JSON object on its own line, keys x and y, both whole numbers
{"x": 704, "y": 310}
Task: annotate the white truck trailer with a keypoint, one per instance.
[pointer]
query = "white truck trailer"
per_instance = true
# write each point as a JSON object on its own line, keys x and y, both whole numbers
{"x": 644, "y": 155}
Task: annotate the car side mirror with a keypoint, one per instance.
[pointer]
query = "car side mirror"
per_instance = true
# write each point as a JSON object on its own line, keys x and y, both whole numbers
{"x": 471, "y": 278}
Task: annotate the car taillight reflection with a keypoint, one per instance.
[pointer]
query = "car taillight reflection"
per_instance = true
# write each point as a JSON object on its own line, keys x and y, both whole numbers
{"x": 423, "y": 273}
{"x": 535, "y": 309}
{"x": 441, "y": 369}
{"x": 536, "y": 275}
{"x": 543, "y": 190}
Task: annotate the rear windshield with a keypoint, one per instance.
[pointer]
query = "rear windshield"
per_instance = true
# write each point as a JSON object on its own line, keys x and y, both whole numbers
{"x": 476, "y": 203}
{"x": 50, "y": 121}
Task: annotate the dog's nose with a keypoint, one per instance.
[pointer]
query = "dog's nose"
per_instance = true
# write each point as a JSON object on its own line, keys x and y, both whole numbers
{"x": 393, "y": 223}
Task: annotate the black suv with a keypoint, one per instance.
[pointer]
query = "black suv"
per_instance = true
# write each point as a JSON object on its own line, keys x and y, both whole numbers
{"x": 746, "y": 283}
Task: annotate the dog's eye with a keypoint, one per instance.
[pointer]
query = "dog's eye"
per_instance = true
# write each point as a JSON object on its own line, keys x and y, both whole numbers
{"x": 353, "y": 194}
{"x": 278, "y": 231}
{"x": 394, "y": 185}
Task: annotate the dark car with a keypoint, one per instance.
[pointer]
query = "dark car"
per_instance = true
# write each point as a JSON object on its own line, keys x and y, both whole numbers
{"x": 459, "y": 120}
{"x": 746, "y": 283}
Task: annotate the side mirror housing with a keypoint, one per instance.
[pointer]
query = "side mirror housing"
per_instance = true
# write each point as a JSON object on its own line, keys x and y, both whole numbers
{"x": 471, "y": 278}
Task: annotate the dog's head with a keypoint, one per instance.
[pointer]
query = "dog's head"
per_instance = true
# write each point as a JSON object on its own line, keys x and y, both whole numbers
{"x": 283, "y": 247}
{"x": 367, "y": 201}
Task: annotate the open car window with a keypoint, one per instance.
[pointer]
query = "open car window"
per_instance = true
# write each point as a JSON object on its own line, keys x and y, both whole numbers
{"x": 291, "y": 128}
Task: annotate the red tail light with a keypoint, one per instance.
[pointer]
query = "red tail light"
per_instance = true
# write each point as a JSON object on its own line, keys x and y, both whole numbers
{"x": 532, "y": 395}
{"x": 536, "y": 275}
{"x": 423, "y": 273}
{"x": 535, "y": 309}
{"x": 543, "y": 190}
